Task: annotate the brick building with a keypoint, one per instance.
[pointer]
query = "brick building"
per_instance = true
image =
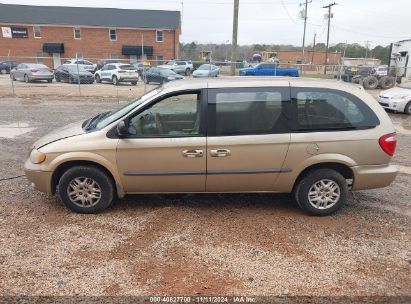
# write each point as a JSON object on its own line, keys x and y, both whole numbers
{"x": 51, "y": 34}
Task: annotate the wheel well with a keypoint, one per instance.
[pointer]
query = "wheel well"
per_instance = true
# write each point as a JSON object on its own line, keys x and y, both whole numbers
{"x": 344, "y": 170}
{"x": 70, "y": 164}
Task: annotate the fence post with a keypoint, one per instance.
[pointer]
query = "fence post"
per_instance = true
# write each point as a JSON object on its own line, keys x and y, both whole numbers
{"x": 11, "y": 79}
{"x": 78, "y": 75}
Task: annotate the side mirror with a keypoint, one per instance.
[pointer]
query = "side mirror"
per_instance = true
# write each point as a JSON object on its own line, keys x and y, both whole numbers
{"x": 122, "y": 129}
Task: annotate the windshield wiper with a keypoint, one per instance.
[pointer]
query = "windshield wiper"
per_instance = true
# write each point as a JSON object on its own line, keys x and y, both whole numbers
{"x": 91, "y": 123}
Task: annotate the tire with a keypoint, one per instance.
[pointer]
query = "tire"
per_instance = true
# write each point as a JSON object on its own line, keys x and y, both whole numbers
{"x": 80, "y": 202}
{"x": 386, "y": 82}
{"x": 114, "y": 80}
{"x": 58, "y": 79}
{"x": 329, "y": 178}
{"x": 187, "y": 72}
{"x": 98, "y": 79}
{"x": 3, "y": 71}
{"x": 26, "y": 79}
{"x": 407, "y": 109}
{"x": 134, "y": 82}
{"x": 370, "y": 82}
{"x": 12, "y": 77}
{"x": 49, "y": 80}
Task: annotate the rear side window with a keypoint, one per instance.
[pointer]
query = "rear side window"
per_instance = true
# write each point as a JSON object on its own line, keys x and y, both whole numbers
{"x": 247, "y": 111}
{"x": 326, "y": 109}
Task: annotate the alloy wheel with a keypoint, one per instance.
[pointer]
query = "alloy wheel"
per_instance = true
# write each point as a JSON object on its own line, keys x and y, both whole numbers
{"x": 84, "y": 192}
{"x": 324, "y": 194}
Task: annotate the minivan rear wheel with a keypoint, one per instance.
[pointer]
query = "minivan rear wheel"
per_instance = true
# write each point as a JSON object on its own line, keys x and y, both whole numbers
{"x": 86, "y": 189}
{"x": 321, "y": 192}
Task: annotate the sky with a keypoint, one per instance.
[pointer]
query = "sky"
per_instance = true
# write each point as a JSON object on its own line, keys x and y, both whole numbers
{"x": 376, "y": 22}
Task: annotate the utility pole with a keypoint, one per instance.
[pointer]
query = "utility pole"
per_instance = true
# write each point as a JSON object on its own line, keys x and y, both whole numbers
{"x": 234, "y": 41}
{"x": 367, "y": 44}
{"x": 305, "y": 23}
{"x": 329, "y": 6}
{"x": 312, "y": 58}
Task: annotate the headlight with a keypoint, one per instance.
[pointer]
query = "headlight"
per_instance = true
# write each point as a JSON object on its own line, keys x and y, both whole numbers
{"x": 37, "y": 157}
{"x": 399, "y": 96}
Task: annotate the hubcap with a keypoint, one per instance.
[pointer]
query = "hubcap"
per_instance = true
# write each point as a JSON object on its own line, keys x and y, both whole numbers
{"x": 324, "y": 194}
{"x": 84, "y": 192}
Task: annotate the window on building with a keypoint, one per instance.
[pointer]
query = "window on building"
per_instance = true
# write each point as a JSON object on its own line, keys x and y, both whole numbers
{"x": 39, "y": 57}
{"x": 37, "y": 32}
{"x": 113, "y": 34}
{"x": 77, "y": 33}
{"x": 160, "y": 59}
{"x": 159, "y": 36}
{"x": 113, "y": 56}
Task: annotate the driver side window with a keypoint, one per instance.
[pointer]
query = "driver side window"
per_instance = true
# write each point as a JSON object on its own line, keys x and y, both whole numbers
{"x": 173, "y": 116}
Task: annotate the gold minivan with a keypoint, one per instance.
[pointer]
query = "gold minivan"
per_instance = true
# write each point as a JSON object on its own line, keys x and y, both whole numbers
{"x": 317, "y": 139}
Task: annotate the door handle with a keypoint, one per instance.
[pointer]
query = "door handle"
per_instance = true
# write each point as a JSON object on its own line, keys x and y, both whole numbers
{"x": 220, "y": 152}
{"x": 193, "y": 153}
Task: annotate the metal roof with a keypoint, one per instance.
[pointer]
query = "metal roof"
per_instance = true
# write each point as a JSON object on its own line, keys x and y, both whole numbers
{"x": 89, "y": 16}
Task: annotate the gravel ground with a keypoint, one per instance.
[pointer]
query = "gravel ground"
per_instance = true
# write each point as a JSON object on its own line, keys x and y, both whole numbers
{"x": 249, "y": 244}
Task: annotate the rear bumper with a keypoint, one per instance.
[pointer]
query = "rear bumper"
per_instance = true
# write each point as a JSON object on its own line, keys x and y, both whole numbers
{"x": 40, "y": 179}
{"x": 370, "y": 177}
{"x": 41, "y": 77}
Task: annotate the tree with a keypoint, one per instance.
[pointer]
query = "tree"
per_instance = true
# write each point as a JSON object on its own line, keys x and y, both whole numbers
{"x": 382, "y": 53}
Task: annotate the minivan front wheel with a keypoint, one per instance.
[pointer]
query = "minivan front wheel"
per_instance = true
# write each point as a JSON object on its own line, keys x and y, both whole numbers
{"x": 86, "y": 189}
{"x": 321, "y": 192}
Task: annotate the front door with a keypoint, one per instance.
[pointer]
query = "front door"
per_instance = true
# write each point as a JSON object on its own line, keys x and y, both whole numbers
{"x": 56, "y": 60}
{"x": 248, "y": 138}
{"x": 165, "y": 150}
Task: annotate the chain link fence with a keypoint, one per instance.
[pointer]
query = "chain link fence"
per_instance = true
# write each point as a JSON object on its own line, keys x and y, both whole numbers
{"x": 108, "y": 83}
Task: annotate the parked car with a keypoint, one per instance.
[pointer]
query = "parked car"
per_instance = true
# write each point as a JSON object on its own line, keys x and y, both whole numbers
{"x": 6, "y": 66}
{"x": 397, "y": 99}
{"x": 139, "y": 66}
{"x": 160, "y": 75}
{"x": 315, "y": 139}
{"x": 87, "y": 65}
{"x": 179, "y": 66}
{"x": 116, "y": 73}
{"x": 206, "y": 70}
{"x": 269, "y": 69}
{"x": 72, "y": 74}
{"x": 31, "y": 72}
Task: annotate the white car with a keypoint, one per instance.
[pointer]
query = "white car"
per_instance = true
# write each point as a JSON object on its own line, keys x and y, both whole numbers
{"x": 397, "y": 98}
{"x": 179, "y": 66}
{"x": 85, "y": 64}
{"x": 116, "y": 73}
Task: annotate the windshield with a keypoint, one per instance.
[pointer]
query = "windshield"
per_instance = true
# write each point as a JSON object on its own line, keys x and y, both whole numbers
{"x": 73, "y": 69}
{"x": 204, "y": 67}
{"x": 114, "y": 115}
{"x": 170, "y": 63}
{"x": 127, "y": 67}
{"x": 167, "y": 72}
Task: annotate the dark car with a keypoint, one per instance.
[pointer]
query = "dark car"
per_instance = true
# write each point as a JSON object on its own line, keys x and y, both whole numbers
{"x": 6, "y": 66}
{"x": 160, "y": 75}
{"x": 103, "y": 62}
{"x": 70, "y": 74}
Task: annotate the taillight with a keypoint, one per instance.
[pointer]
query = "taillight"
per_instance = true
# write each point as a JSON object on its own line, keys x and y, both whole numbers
{"x": 388, "y": 143}
{"x": 34, "y": 70}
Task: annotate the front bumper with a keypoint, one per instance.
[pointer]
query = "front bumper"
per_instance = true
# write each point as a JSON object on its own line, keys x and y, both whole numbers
{"x": 40, "y": 179}
{"x": 392, "y": 104}
{"x": 373, "y": 176}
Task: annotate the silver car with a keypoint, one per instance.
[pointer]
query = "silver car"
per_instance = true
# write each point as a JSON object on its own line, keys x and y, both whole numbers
{"x": 28, "y": 72}
{"x": 206, "y": 70}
